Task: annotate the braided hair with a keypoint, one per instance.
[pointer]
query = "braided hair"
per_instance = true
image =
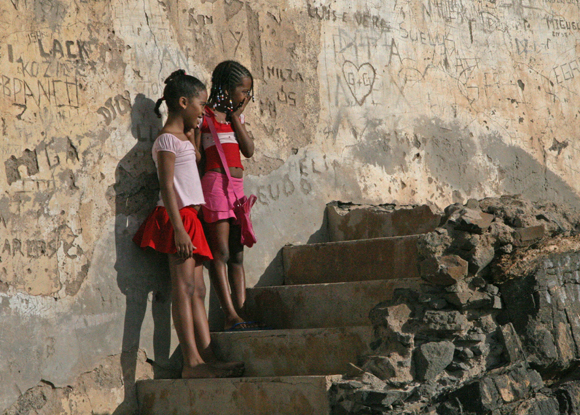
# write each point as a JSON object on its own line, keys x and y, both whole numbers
{"x": 225, "y": 78}
{"x": 178, "y": 85}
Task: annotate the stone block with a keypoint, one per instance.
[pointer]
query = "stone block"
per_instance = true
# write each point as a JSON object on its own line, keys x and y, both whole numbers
{"x": 544, "y": 310}
{"x": 498, "y": 388}
{"x": 480, "y": 257}
{"x": 528, "y": 236}
{"x": 432, "y": 358}
{"x": 394, "y": 369}
{"x": 501, "y": 233}
{"x": 264, "y": 396}
{"x": 322, "y": 305}
{"x": 568, "y": 395}
{"x": 445, "y": 270}
{"x": 382, "y": 399}
{"x": 469, "y": 299}
{"x": 445, "y": 321}
{"x": 364, "y": 260}
{"x": 470, "y": 220}
{"x": 397, "y": 316}
{"x": 294, "y": 352}
{"x": 347, "y": 221}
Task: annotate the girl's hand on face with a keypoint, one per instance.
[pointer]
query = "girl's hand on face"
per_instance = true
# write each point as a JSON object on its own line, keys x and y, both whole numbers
{"x": 183, "y": 244}
{"x": 241, "y": 107}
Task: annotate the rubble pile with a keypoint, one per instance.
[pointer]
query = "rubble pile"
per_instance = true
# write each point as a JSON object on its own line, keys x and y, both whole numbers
{"x": 494, "y": 328}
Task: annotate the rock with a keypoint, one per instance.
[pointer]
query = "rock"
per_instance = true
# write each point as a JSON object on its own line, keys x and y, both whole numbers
{"x": 464, "y": 241}
{"x": 478, "y": 282}
{"x": 470, "y": 220}
{"x": 394, "y": 369}
{"x": 446, "y": 270}
{"x": 372, "y": 381}
{"x": 513, "y": 349}
{"x": 446, "y": 321}
{"x": 458, "y": 367}
{"x": 506, "y": 249}
{"x": 501, "y": 233}
{"x": 375, "y": 398}
{"x": 472, "y": 204}
{"x": 392, "y": 317}
{"x": 528, "y": 236}
{"x": 469, "y": 299}
{"x": 433, "y": 244}
{"x": 497, "y": 389}
{"x": 492, "y": 289}
{"x": 349, "y": 384}
{"x": 568, "y": 395}
{"x": 480, "y": 257}
{"x": 438, "y": 303}
{"x": 480, "y": 349}
{"x": 432, "y": 358}
{"x": 466, "y": 354}
{"x": 544, "y": 309}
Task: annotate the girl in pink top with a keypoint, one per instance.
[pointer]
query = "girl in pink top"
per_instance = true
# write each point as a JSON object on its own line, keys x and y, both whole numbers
{"x": 232, "y": 89}
{"x": 173, "y": 227}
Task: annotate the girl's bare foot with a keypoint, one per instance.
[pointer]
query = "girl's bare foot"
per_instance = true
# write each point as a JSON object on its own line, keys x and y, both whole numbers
{"x": 237, "y": 368}
{"x": 204, "y": 370}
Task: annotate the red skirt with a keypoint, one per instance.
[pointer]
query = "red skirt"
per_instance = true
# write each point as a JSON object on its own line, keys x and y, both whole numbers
{"x": 157, "y": 232}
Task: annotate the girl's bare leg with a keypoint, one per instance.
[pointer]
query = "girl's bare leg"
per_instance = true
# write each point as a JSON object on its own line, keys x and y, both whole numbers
{"x": 202, "y": 334}
{"x": 236, "y": 273}
{"x": 185, "y": 318}
{"x": 218, "y": 239}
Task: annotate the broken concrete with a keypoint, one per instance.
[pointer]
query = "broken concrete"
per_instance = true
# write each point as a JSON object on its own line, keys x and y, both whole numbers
{"x": 478, "y": 347}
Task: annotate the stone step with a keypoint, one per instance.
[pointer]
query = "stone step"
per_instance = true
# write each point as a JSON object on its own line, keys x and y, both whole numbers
{"x": 362, "y": 260}
{"x": 304, "y": 395}
{"x": 322, "y": 351}
{"x": 321, "y": 305}
{"x": 348, "y": 221}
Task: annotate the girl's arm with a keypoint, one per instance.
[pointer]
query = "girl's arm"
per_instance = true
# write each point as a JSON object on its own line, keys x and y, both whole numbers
{"x": 194, "y": 137}
{"x": 197, "y": 145}
{"x": 166, "y": 168}
{"x": 245, "y": 141}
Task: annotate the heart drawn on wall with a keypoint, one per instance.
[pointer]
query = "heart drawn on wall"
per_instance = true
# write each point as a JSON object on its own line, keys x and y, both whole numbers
{"x": 360, "y": 80}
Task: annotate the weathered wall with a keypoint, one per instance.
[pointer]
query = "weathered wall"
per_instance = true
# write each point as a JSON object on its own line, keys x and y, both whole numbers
{"x": 370, "y": 101}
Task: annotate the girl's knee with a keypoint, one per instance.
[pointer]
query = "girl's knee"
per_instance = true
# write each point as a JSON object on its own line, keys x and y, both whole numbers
{"x": 222, "y": 254}
{"x": 200, "y": 290}
{"x": 187, "y": 288}
{"x": 237, "y": 258}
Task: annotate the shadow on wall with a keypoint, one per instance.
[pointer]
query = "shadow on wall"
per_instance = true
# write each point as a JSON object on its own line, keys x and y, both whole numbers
{"x": 274, "y": 272}
{"x": 142, "y": 276}
{"x": 450, "y": 151}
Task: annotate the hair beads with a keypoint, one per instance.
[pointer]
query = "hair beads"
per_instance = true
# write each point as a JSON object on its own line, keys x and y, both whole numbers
{"x": 225, "y": 78}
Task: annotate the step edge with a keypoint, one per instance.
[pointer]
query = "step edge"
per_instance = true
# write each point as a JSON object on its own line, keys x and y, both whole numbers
{"x": 352, "y": 242}
{"x": 334, "y": 284}
{"x": 292, "y": 332}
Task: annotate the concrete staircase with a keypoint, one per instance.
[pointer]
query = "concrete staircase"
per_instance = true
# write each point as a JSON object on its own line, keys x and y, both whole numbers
{"x": 321, "y": 321}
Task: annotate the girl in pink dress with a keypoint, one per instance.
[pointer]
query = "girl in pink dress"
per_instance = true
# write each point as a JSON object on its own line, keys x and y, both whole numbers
{"x": 232, "y": 89}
